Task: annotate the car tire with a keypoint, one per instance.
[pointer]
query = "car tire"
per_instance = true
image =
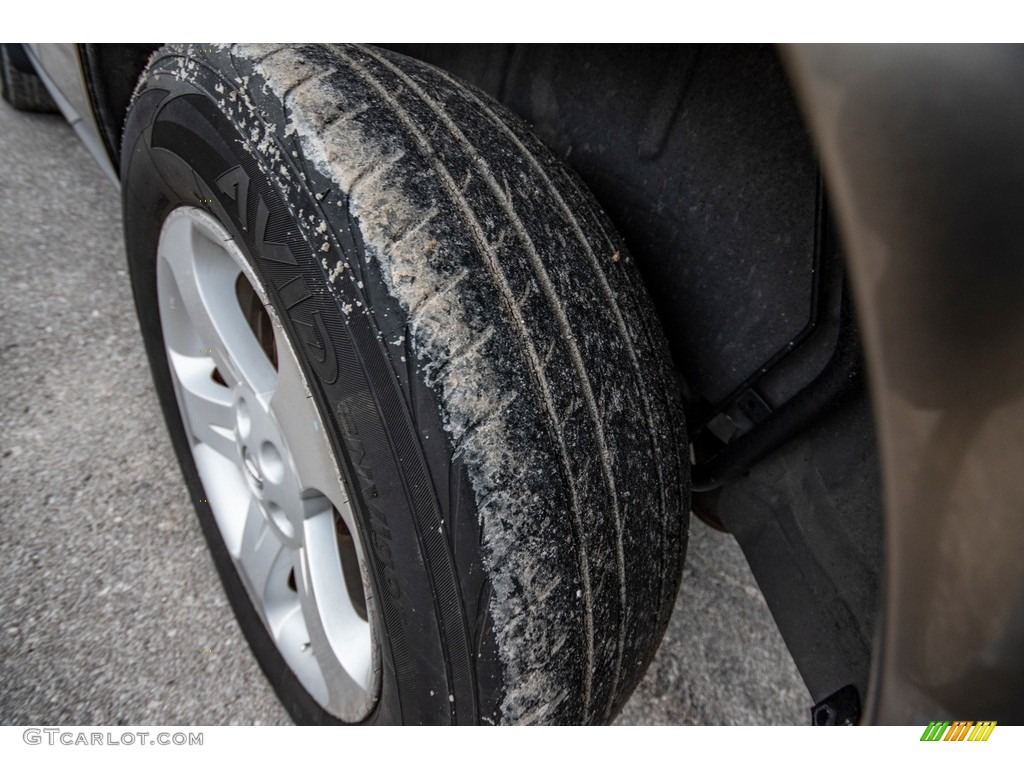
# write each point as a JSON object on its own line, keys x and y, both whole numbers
{"x": 481, "y": 367}
{"x": 19, "y": 85}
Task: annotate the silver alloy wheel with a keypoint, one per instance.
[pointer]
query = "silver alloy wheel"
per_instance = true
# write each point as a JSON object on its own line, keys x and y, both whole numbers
{"x": 262, "y": 453}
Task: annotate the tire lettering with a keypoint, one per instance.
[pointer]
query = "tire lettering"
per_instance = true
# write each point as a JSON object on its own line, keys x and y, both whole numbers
{"x": 357, "y": 452}
{"x": 293, "y": 292}
{"x": 321, "y": 357}
{"x": 235, "y": 184}
{"x": 270, "y": 251}
{"x": 380, "y": 534}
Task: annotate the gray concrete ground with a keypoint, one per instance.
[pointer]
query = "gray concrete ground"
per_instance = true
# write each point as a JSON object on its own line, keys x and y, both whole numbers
{"x": 107, "y": 594}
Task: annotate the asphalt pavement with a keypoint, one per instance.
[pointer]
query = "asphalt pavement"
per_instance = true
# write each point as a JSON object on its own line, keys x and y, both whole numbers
{"x": 110, "y": 608}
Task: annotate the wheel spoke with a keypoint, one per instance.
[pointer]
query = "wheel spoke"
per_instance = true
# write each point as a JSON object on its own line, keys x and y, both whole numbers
{"x": 227, "y": 495}
{"x": 205, "y": 277}
{"x": 335, "y": 630}
{"x": 259, "y": 552}
{"x": 207, "y": 405}
{"x": 292, "y": 407}
{"x": 292, "y": 639}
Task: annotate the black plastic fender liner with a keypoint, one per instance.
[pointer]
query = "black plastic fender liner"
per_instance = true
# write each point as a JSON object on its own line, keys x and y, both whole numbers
{"x": 840, "y": 379}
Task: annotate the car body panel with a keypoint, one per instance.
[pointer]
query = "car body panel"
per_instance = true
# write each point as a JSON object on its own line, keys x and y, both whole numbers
{"x": 60, "y": 67}
{"x": 923, "y": 148}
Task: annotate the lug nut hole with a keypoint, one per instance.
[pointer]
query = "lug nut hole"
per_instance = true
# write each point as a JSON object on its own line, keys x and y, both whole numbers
{"x": 271, "y": 462}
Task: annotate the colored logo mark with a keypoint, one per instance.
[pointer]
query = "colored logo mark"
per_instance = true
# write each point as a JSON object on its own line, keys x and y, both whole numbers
{"x": 960, "y": 730}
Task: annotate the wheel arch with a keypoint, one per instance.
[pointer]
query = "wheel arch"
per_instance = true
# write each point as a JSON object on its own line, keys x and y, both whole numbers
{"x": 110, "y": 72}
